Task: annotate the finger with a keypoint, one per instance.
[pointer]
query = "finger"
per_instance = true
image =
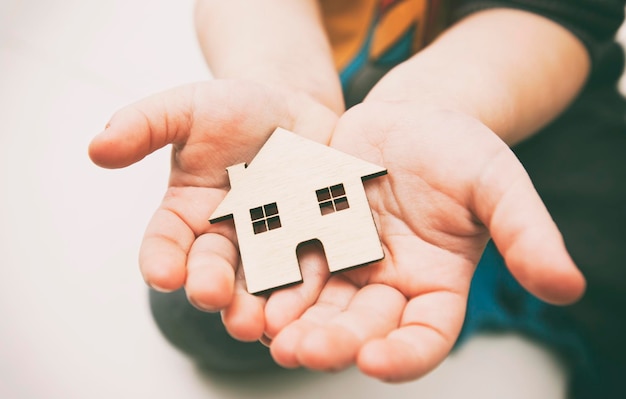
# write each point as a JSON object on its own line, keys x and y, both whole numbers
{"x": 207, "y": 112}
{"x": 243, "y": 317}
{"x": 211, "y": 267}
{"x": 143, "y": 127}
{"x": 288, "y": 304}
{"x": 525, "y": 233}
{"x": 181, "y": 217}
{"x": 429, "y": 327}
{"x": 163, "y": 251}
{"x": 334, "y": 298}
{"x": 373, "y": 312}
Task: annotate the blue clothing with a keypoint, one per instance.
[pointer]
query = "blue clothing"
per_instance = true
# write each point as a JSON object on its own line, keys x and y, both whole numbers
{"x": 498, "y": 303}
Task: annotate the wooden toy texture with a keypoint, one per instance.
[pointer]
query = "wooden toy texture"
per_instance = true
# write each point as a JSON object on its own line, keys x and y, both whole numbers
{"x": 295, "y": 191}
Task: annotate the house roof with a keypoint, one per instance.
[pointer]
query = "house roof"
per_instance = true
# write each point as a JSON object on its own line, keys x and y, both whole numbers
{"x": 290, "y": 159}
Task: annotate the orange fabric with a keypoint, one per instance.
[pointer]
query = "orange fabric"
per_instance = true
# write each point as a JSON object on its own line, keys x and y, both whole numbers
{"x": 395, "y": 22}
{"x": 348, "y": 23}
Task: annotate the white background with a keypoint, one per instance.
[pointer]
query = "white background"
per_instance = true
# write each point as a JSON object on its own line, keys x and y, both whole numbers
{"x": 73, "y": 307}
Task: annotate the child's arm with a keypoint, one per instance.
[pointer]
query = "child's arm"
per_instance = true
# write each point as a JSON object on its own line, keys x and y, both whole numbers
{"x": 275, "y": 69}
{"x": 513, "y": 70}
{"x": 276, "y": 42}
{"x": 452, "y": 184}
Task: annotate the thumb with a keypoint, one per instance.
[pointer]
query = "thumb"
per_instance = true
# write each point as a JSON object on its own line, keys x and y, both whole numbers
{"x": 525, "y": 234}
{"x": 143, "y": 127}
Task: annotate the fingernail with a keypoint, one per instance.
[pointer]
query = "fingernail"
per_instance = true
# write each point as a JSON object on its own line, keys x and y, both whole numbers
{"x": 265, "y": 340}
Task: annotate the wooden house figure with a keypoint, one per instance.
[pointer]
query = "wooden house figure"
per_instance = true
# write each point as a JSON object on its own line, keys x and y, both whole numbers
{"x": 296, "y": 190}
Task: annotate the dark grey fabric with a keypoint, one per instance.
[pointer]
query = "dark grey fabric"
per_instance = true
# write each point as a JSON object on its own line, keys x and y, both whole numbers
{"x": 595, "y": 22}
{"x": 203, "y": 337}
{"x": 578, "y": 165}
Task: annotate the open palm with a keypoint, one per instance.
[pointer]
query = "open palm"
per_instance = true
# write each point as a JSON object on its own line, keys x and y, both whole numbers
{"x": 451, "y": 185}
{"x": 211, "y": 126}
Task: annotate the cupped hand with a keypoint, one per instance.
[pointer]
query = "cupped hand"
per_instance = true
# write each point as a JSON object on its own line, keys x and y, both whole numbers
{"x": 211, "y": 126}
{"x": 452, "y": 184}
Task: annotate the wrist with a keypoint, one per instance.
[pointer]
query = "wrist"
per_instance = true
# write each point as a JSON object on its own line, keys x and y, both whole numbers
{"x": 323, "y": 89}
{"x": 512, "y": 70}
{"x": 277, "y": 42}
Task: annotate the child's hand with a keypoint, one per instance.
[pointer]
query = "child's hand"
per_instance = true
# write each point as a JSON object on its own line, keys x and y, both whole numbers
{"x": 451, "y": 184}
{"x": 212, "y": 126}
